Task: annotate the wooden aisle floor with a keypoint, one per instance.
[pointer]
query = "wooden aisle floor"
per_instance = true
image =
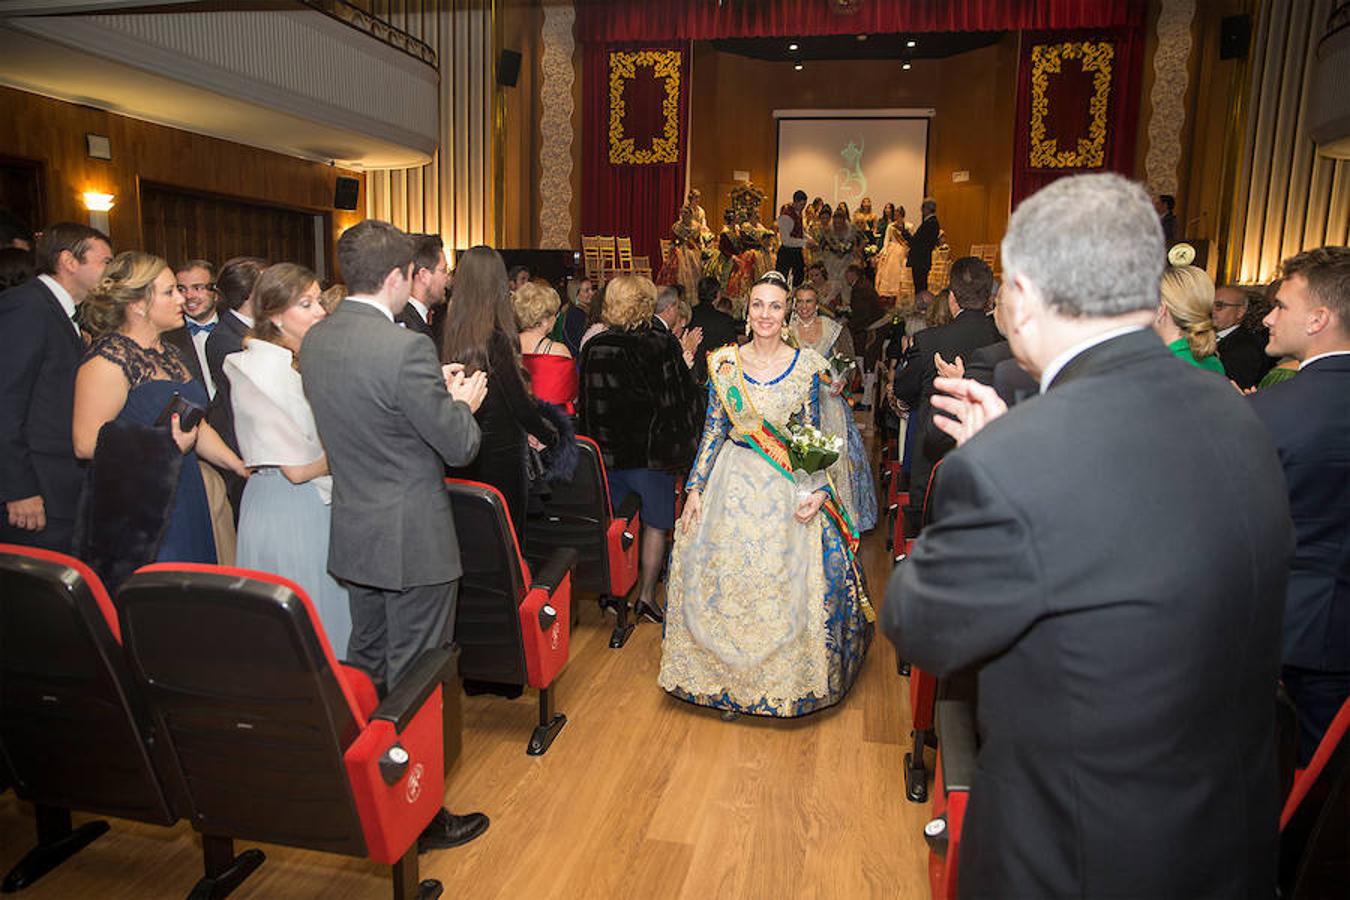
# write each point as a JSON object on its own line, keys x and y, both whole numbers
{"x": 641, "y": 796}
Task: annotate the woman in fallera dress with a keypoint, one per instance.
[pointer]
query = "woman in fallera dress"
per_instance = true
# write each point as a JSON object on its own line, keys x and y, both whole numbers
{"x": 894, "y": 279}
{"x": 767, "y": 611}
{"x": 286, "y": 511}
{"x": 839, "y": 249}
{"x": 828, "y": 337}
{"x": 683, "y": 265}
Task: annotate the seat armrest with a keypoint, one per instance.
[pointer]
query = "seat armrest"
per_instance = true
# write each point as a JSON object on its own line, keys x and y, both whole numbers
{"x": 956, "y": 738}
{"x": 629, "y": 508}
{"x": 403, "y": 702}
{"x": 555, "y": 569}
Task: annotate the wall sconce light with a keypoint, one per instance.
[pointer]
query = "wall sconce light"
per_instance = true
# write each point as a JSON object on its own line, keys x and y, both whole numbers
{"x": 98, "y": 205}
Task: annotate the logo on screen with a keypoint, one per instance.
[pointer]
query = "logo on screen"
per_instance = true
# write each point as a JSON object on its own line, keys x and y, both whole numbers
{"x": 850, "y": 184}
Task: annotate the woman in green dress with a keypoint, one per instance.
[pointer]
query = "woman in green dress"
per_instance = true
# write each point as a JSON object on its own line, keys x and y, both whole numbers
{"x": 1185, "y": 317}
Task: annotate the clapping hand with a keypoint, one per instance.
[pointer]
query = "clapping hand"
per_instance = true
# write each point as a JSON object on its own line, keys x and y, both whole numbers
{"x": 470, "y": 391}
{"x": 970, "y": 404}
{"x": 946, "y": 369}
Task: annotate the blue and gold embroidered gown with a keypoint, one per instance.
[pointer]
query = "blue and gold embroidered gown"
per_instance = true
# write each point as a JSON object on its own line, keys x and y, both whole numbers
{"x": 764, "y": 614}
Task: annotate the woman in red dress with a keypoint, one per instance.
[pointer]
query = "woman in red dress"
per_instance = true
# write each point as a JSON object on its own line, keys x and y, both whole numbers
{"x": 553, "y": 373}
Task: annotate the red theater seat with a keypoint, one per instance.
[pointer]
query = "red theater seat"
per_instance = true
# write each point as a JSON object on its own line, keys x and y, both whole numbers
{"x": 268, "y": 738}
{"x": 512, "y": 628}
{"x": 922, "y": 700}
{"x": 955, "y": 771}
{"x": 72, "y": 727}
{"x": 1315, "y": 823}
{"x": 577, "y": 515}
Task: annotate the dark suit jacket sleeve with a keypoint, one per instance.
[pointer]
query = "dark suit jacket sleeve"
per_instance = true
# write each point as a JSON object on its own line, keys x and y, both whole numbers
{"x": 909, "y": 380}
{"x": 972, "y": 585}
{"x": 444, "y": 423}
{"x": 24, "y": 340}
{"x": 980, "y": 367}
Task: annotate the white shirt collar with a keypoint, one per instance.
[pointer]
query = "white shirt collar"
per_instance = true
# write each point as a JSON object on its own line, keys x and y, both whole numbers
{"x": 371, "y": 301}
{"x": 662, "y": 321}
{"x": 1312, "y": 359}
{"x": 421, "y": 308}
{"x": 1059, "y": 362}
{"x": 1229, "y": 330}
{"x": 215, "y": 317}
{"x": 247, "y": 320}
{"x": 62, "y": 296}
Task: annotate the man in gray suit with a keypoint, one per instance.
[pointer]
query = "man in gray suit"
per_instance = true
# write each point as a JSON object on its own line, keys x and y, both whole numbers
{"x": 1126, "y": 685}
{"x": 391, "y": 419}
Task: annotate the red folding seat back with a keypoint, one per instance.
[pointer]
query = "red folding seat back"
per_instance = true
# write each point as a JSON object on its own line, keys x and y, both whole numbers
{"x": 73, "y": 729}
{"x": 271, "y": 738}
{"x": 955, "y": 771}
{"x": 512, "y": 626}
{"x": 1315, "y": 822}
{"x": 577, "y": 515}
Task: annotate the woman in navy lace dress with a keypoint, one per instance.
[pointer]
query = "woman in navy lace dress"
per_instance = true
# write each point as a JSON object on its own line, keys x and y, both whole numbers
{"x": 144, "y": 498}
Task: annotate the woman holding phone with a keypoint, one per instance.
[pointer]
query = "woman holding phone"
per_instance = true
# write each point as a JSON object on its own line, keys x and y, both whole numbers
{"x": 138, "y": 418}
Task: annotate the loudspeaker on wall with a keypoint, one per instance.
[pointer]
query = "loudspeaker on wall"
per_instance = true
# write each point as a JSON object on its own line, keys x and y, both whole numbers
{"x": 346, "y": 193}
{"x": 508, "y": 68}
{"x": 1235, "y": 36}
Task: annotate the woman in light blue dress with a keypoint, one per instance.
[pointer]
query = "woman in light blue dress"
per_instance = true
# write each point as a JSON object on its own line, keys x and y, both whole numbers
{"x": 828, "y": 337}
{"x": 285, "y": 515}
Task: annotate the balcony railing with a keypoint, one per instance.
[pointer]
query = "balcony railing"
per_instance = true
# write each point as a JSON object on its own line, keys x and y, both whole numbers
{"x": 365, "y": 22}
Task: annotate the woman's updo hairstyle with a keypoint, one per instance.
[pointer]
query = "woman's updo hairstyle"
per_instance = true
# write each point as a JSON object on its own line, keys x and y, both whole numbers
{"x": 1188, "y": 294}
{"x": 128, "y": 279}
{"x": 275, "y": 291}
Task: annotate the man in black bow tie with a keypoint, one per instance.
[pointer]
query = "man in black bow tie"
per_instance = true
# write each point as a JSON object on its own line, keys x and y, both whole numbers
{"x": 196, "y": 282}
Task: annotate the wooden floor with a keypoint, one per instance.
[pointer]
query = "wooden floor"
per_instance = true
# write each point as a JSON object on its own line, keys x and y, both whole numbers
{"x": 642, "y": 796}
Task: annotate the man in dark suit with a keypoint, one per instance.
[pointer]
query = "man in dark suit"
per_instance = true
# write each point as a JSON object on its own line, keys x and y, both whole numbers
{"x": 1126, "y": 686}
{"x": 922, "y": 244}
{"x": 719, "y": 329}
{"x": 234, "y": 284}
{"x": 197, "y": 284}
{"x": 431, "y": 274}
{"x": 864, "y": 308}
{"x": 391, "y": 420}
{"x": 972, "y": 283}
{"x": 1242, "y": 350}
{"x": 40, "y": 350}
{"x": 1309, "y": 419}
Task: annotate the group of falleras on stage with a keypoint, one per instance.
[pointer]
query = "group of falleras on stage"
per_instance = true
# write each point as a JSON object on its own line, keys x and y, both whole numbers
{"x": 767, "y": 611}
{"x": 743, "y": 250}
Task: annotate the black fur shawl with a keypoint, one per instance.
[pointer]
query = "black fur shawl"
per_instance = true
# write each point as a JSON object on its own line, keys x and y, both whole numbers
{"x": 639, "y": 401}
{"x": 128, "y": 497}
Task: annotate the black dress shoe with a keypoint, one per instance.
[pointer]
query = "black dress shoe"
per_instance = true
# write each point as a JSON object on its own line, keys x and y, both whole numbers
{"x": 447, "y": 830}
{"x": 644, "y": 610}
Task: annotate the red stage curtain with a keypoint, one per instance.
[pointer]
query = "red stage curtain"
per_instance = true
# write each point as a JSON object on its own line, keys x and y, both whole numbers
{"x": 1064, "y": 133}
{"x": 632, "y": 164}
{"x": 647, "y": 20}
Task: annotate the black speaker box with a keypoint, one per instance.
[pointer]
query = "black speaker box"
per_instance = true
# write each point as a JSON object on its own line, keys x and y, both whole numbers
{"x": 1235, "y": 36}
{"x": 508, "y": 68}
{"x": 346, "y": 192}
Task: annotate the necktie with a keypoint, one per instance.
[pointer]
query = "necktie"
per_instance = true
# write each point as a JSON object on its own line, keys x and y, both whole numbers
{"x": 196, "y": 329}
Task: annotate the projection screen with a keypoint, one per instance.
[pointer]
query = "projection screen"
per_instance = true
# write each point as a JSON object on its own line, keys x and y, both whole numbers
{"x": 847, "y": 155}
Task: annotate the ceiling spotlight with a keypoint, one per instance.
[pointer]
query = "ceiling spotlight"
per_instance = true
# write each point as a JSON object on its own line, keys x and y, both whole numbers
{"x": 905, "y": 66}
{"x": 792, "y": 46}
{"x": 797, "y": 67}
{"x": 861, "y": 37}
{"x": 911, "y": 44}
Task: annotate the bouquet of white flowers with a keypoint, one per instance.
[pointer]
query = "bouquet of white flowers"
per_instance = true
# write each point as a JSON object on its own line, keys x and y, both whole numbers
{"x": 811, "y": 451}
{"x": 843, "y": 364}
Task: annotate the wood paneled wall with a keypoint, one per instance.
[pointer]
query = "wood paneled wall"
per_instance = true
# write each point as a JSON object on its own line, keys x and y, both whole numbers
{"x": 732, "y": 125}
{"x": 52, "y": 132}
